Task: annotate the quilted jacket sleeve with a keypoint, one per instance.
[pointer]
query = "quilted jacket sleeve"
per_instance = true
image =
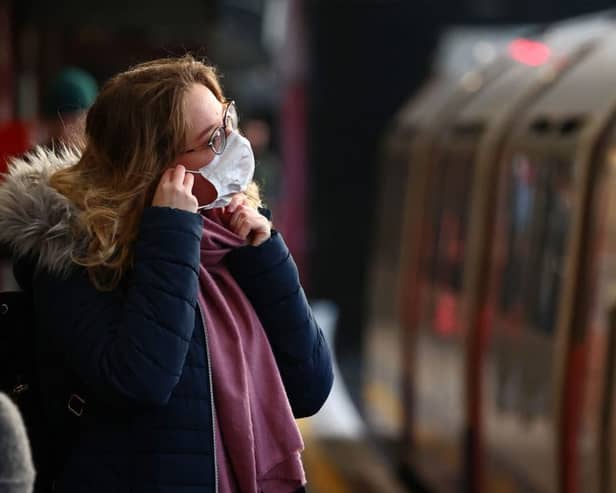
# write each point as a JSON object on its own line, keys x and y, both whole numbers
{"x": 130, "y": 348}
{"x": 269, "y": 277}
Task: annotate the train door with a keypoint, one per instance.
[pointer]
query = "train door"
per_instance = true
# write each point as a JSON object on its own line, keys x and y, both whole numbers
{"x": 433, "y": 271}
{"x": 533, "y": 264}
{"x": 415, "y": 232}
{"x": 445, "y": 439}
{"x": 588, "y": 403}
{"x": 429, "y": 116}
{"x": 382, "y": 391}
{"x": 438, "y": 371}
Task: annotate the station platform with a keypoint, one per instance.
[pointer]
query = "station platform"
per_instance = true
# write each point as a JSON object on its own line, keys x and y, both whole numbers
{"x": 339, "y": 456}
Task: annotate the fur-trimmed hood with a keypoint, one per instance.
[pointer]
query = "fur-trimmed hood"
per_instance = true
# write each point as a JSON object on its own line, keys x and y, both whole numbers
{"x": 37, "y": 222}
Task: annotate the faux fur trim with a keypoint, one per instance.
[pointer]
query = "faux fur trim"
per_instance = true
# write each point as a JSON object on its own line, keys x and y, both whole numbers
{"x": 16, "y": 468}
{"x": 36, "y": 221}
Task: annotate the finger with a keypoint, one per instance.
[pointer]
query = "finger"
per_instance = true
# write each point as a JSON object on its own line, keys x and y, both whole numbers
{"x": 259, "y": 238}
{"x": 178, "y": 175}
{"x": 233, "y": 204}
{"x": 236, "y": 222}
{"x": 247, "y": 211}
{"x": 194, "y": 202}
{"x": 166, "y": 176}
{"x": 237, "y": 200}
{"x": 244, "y": 229}
{"x": 189, "y": 180}
{"x": 237, "y": 216}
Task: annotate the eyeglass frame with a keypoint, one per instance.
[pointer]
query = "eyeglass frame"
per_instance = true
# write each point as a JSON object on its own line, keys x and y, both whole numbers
{"x": 223, "y": 129}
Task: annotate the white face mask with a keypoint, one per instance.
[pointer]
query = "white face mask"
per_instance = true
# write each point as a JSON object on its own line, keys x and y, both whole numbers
{"x": 230, "y": 172}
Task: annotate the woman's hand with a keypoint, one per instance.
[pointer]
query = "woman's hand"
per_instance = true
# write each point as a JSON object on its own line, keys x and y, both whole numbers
{"x": 175, "y": 190}
{"x": 246, "y": 221}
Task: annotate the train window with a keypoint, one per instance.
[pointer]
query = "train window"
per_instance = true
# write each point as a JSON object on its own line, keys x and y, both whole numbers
{"x": 551, "y": 244}
{"x": 541, "y": 125}
{"x": 521, "y": 198}
{"x": 450, "y": 228}
{"x": 452, "y": 220}
{"x": 470, "y": 128}
{"x": 571, "y": 126}
{"x": 538, "y": 219}
{"x": 431, "y": 221}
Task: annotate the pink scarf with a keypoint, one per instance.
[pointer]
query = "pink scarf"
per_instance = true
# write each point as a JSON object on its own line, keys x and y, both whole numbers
{"x": 258, "y": 443}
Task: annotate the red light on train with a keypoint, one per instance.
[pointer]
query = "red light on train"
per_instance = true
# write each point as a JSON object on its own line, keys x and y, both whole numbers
{"x": 529, "y": 52}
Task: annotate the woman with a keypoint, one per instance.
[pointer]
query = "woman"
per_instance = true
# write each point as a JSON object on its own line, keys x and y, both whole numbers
{"x": 159, "y": 284}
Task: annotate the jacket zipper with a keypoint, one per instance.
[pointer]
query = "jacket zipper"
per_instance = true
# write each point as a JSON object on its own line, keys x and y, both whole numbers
{"x": 213, "y": 407}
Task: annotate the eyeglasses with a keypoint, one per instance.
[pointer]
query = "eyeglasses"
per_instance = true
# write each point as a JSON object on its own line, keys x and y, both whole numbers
{"x": 218, "y": 139}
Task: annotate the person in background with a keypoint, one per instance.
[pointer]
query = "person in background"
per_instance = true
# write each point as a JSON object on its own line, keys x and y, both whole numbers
{"x": 268, "y": 172}
{"x": 161, "y": 288}
{"x": 16, "y": 468}
{"x": 65, "y": 103}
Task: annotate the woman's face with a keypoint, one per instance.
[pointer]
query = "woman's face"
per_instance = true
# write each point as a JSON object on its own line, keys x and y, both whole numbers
{"x": 203, "y": 113}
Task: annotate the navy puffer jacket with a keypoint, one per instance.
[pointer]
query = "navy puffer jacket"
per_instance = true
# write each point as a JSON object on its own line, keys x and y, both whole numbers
{"x": 140, "y": 351}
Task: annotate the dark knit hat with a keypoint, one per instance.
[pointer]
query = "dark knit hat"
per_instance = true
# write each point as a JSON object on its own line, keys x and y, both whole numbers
{"x": 72, "y": 89}
{"x": 16, "y": 468}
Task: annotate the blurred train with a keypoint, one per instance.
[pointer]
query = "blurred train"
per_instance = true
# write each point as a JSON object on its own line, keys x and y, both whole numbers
{"x": 490, "y": 363}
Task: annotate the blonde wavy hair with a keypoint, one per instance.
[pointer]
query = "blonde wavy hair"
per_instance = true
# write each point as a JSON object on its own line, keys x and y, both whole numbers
{"x": 134, "y": 130}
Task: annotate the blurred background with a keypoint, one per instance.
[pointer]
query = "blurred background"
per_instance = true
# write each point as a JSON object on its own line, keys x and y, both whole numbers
{"x": 334, "y": 96}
